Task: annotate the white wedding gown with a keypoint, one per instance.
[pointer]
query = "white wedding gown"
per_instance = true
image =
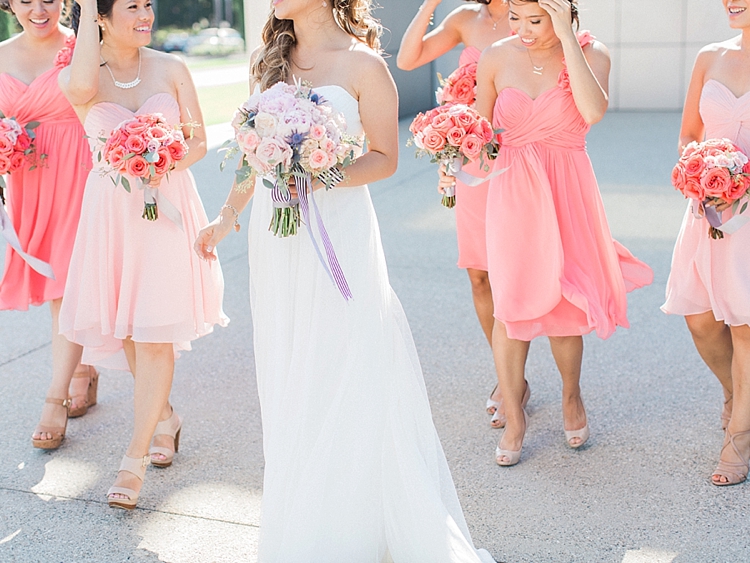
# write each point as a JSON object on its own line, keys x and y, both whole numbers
{"x": 354, "y": 472}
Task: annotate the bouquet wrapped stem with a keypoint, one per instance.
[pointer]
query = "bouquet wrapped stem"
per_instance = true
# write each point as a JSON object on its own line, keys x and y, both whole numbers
{"x": 449, "y": 194}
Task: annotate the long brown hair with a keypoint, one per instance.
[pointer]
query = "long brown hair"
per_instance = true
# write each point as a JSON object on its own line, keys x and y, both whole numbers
{"x": 274, "y": 61}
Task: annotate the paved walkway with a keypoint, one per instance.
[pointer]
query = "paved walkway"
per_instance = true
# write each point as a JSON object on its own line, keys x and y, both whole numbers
{"x": 638, "y": 493}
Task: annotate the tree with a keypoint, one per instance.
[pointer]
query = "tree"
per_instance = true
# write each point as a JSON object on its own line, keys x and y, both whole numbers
{"x": 7, "y": 25}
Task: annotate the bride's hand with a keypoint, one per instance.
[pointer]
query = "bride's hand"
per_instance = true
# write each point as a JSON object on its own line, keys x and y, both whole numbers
{"x": 446, "y": 181}
{"x": 561, "y": 14}
{"x": 211, "y": 235}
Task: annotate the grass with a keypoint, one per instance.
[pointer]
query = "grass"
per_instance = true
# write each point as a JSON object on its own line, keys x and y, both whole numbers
{"x": 219, "y": 102}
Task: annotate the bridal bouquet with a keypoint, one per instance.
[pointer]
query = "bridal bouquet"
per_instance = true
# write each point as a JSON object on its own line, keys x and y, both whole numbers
{"x": 290, "y": 131}
{"x": 145, "y": 147}
{"x": 714, "y": 171}
{"x": 16, "y": 148}
{"x": 454, "y": 135}
{"x": 460, "y": 87}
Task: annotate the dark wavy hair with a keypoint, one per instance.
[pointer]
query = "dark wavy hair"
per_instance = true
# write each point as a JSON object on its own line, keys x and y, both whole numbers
{"x": 573, "y": 9}
{"x": 274, "y": 61}
{"x": 103, "y": 7}
{"x": 479, "y": 1}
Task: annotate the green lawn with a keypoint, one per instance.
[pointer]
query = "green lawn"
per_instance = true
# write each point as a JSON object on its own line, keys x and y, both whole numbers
{"x": 219, "y": 102}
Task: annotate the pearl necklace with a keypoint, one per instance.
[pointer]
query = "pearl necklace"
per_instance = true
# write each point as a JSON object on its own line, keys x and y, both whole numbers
{"x": 132, "y": 83}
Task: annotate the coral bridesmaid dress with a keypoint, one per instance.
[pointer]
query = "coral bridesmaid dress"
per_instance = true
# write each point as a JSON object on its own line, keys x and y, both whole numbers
{"x": 471, "y": 205}
{"x": 133, "y": 277}
{"x": 44, "y": 204}
{"x": 707, "y": 274}
{"x": 554, "y": 268}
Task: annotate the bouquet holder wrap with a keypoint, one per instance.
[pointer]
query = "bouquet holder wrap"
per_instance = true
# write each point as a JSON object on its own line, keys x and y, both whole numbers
{"x": 454, "y": 168}
{"x": 166, "y": 207}
{"x": 714, "y": 218}
{"x": 331, "y": 263}
{"x": 9, "y": 234}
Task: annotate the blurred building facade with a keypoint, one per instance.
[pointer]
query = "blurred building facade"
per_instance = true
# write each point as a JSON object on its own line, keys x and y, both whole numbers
{"x": 653, "y": 44}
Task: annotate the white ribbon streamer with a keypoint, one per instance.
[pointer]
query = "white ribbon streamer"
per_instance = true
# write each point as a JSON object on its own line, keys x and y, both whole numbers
{"x": 164, "y": 206}
{"x": 454, "y": 168}
{"x": 9, "y": 234}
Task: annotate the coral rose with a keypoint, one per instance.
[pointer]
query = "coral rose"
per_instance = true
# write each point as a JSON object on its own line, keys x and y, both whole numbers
{"x": 137, "y": 166}
{"x": 693, "y": 190}
{"x": 134, "y": 127}
{"x": 115, "y": 158}
{"x": 716, "y": 182}
{"x": 433, "y": 140}
{"x": 165, "y": 162}
{"x": 678, "y": 176}
{"x": 471, "y": 147}
{"x": 463, "y": 91}
{"x": 17, "y": 161}
{"x": 135, "y": 144}
{"x": 455, "y": 136}
{"x": 177, "y": 150}
{"x": 23, "y": 142}
{"x": 442, "y": 122}
{"x": 6, "y": 147}
{"x": 694, "y": 166}
{"x": 4, "y": 164}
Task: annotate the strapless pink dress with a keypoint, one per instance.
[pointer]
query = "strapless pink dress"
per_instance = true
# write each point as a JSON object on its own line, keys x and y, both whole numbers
{"x": 132, "y": 277}
{"x": 707, "y": 274}
{"x": 44, "y": 204}
{"x": 554, "y": 268}
{"x": 471, "y": 205}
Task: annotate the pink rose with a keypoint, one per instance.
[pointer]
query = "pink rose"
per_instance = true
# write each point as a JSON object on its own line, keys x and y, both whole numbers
{"x": 716, "y": 182}
{"x": 23, "y": 142}
{"x": 115, "y": 158}
{"x": 463, "y": 91}
{"x": 271, "y": 152}
{"x": 693, "y": 190}
{"x": 455, "y": 136}
{"x": 4, "y": 164}
{"x": 135, "y": 144}
{"x": 317, "y": 131}
{"x": 471, "y": 147}
{"x": 158, "y": 133}
{"x": 442, "y": 122}
{"x": 165, "y": 163}
{"x": 248, "y": 140}
{"x": 739, "y": 188}
{"x": 135, "y": 127}
{"x": 483, "y": 130}
{"x": 6, "y": 147}
{"x": 318, "y": 159}
{"x": 63, "y": 57}
{"x": 678, "y": 176}
{"x": 137, "y": 167}
{"x": 694, "y": 166}
{"x": 466, "y": 120}
{"x": 177, "y": 150}
{"x": 563, "y": 80}
{"x": 433, "y": 140}
{"x": 419, "y": 123}
{"x": 17, "y": 161}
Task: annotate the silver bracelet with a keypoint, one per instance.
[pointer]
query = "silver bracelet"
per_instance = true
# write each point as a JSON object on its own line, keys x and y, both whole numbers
{"x": 233, "y": 209}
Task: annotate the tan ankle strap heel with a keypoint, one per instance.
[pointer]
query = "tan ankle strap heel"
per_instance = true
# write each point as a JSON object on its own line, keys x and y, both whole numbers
{"x": 137, "y": 466}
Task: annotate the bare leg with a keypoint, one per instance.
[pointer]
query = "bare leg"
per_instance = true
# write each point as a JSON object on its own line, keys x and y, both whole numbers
{"x": 482, "y": 294}
{"x": 510, "y": 362}
{"x": 568, "y": 354}
{"x": 740, "y": 421}
{"x": 713, "y": 340}
{"x": 154, "y": 368}
{"x": 65, "y": 358}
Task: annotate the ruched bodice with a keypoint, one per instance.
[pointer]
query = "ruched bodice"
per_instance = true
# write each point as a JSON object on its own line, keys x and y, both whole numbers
{"x": 707, "y": 274}
{"x": 551, "y": 119}
{"x": 470, "y": 54}
{"x": 44, "y": 204}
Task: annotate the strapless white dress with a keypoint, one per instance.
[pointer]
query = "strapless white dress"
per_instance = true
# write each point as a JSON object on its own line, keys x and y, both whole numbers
{"x": 354, "y": 472}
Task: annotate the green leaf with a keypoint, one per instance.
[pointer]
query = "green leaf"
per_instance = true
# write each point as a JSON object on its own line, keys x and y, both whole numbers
{"x": 744, "y": 207}
{"x": 151, "y": 157}
{"x": 268, "y": 183}
{"x": 128, "y": 156}
{"x": 32, "y": 125}
{"x": 735, "y": 205}
{"x": 125, "y": 183}
{"x": 98, "y": 157}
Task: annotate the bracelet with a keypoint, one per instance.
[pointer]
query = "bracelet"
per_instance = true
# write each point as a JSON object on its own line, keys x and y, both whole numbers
{"x": 233, "y": 209}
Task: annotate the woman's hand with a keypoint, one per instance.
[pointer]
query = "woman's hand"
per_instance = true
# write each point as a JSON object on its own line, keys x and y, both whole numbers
{"x": 446, "y": 181}
{"x": 719, "y": 204}
{"x": 562, "y": 18}
{"x": 211, "y": 235}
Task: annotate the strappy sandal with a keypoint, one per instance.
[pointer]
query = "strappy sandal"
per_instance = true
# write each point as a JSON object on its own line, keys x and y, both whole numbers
{"x": 498, "y": 419}
{"x": 171, "y": 427}
{"x": 734, "y": 472}
{"x": 137, "y": 466}
{"x": 89, "y": 398}
{"x": 57, "y": 432}
{"x": 726, "y": 412}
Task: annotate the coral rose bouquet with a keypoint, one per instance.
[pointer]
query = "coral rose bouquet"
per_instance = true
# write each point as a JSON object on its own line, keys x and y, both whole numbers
{"x": 460, "y": 87}
{"x": 17, "y": 148}
{"x": 144, "y": 148}
{"x": 455, "y": 135}
{"x": 714, "y": 172}
{"x": 290, "y": 131}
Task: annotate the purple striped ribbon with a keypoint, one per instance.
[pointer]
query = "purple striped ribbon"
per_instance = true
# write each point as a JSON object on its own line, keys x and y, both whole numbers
{"x": 331, "y": 266}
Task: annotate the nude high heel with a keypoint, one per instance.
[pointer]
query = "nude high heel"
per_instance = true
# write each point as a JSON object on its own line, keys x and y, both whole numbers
{"x": 583, "y": 434}
{"x": 498, "y": 419}
{"x": 171, "y": 427}
{"x": 89, "y": 399}
{"x": 735, "y": 472}
{"x": 492, "y": 406}
{"x": 726, "y": 413}
{"x": 513, "y": 456}
{"x": 58, "y": 432}
{"x": 137, "y": 466}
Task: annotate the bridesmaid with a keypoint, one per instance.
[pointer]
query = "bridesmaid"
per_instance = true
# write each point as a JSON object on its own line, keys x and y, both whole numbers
{"x": 476, "y": 26}
{"x": 45, "y": 203}
{"x": 568, "y": 277}
{"x": 135, "y": 285}
{"x": 710, "y": 279}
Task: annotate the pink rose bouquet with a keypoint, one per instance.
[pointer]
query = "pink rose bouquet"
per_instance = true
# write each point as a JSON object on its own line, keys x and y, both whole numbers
{"x": 460, "y": 87}
{"x": 290, "y": 131}
{"x": 714, "y": 171}
{"x": 453, "y": 133}
{"x": 145, "y": 147}
{"x": 16, "y": 148}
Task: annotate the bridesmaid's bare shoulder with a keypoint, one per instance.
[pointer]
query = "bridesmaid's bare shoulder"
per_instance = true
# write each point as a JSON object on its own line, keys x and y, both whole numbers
{"x": 8, "y": 51}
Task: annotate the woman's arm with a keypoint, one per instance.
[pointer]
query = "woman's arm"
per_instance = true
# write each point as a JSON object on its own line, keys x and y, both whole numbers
{"x": 190, "y": 113}
{"x": 419, "y": 47}
{"x": 692, "y": 128}
{"x": 80, "y": 81}
{"x": 589, "y": 77}
{"x": 486, "y": 89}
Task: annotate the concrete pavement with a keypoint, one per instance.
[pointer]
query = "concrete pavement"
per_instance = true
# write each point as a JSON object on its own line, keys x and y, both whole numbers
{"x": 639, "y": 492}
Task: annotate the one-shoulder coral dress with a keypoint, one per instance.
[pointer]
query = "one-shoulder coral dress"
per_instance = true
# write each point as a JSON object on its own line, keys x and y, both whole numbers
{"x": 554, "y": 267}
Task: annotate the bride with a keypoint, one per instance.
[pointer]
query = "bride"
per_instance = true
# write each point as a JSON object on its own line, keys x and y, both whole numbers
{"x": 354, "y": 468}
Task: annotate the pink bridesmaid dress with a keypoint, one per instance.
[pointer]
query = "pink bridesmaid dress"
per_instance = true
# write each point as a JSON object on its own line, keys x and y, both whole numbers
{"x": 133, "y": 277}
{"x": 553, "y": 265}
{"x": 471, "y": 205}
{"x": 44, "y": 204}
{"x": 707, "y": 274}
